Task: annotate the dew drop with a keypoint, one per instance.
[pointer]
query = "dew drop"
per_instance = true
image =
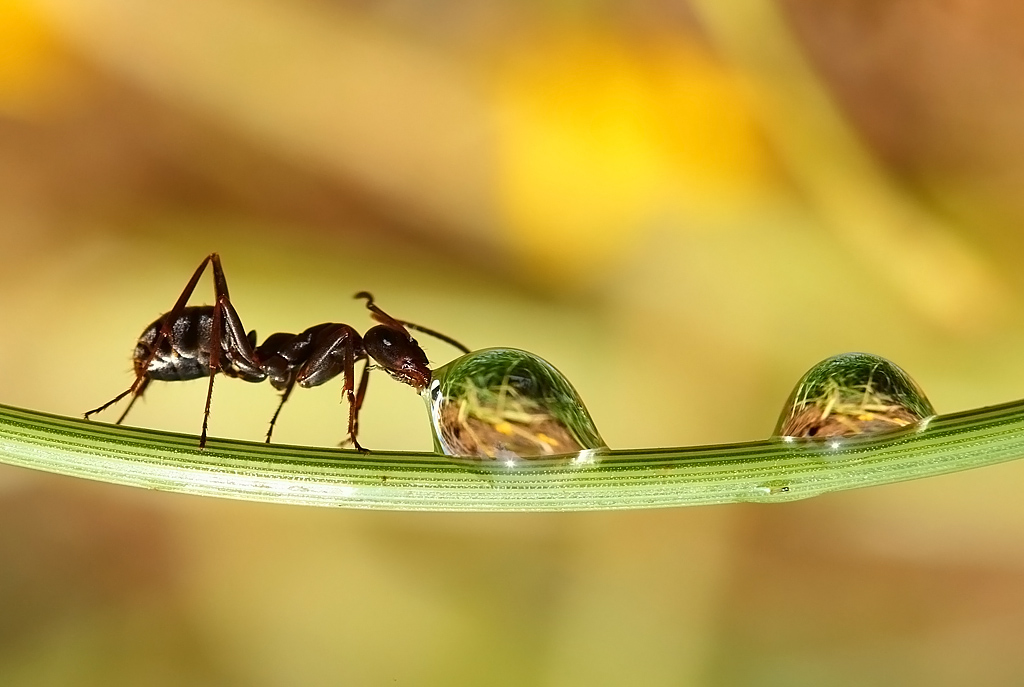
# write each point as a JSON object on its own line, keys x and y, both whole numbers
{"x": 773, "y": 487}
{"x": 504, "y": 404}
{"x": 853, "y": 394}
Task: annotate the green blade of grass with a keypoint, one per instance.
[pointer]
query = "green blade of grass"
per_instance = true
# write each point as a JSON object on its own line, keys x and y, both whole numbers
{"x": 770, "y": 470}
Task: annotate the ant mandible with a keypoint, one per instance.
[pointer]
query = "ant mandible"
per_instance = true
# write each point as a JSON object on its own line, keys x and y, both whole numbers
{"x": 180, "y": 345}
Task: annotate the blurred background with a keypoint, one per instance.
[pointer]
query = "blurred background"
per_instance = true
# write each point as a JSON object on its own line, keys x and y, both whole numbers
{"x": 682, "y": 205}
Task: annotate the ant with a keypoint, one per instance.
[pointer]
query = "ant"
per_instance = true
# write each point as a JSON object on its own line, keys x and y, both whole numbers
{"x": 190, "y": 342}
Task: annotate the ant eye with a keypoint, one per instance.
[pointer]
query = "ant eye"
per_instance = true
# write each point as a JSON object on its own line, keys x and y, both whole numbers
{"x": 505, "y": 404}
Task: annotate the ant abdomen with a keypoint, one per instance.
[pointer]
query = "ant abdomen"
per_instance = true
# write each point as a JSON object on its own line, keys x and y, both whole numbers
{"x": 179, "y": 357}
{"x": 186, "y": 353}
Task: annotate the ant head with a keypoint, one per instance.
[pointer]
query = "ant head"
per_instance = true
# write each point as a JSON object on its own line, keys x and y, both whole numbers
{"x": 397, "y": 352}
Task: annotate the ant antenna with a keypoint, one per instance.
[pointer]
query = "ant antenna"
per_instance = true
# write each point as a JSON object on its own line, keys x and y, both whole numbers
{"x": 384, "y": 318}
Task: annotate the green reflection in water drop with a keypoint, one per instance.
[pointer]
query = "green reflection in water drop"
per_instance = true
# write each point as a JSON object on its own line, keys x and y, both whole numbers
{"x": 853, "y": 394}
{"x": 502, "y": 404}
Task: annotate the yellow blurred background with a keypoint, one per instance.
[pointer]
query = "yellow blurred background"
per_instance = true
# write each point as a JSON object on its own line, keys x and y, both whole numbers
{"x": 681, "y": 206}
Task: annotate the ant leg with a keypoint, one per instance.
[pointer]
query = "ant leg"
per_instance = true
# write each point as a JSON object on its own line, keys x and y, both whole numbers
{"x": 220, "y": 283}
{"x": 360, "y": 397}
{"x": 384, "y": 318}
{"x": 333, "y": 351}
{"x": 284, "y": 397}
{"x": 237, "y": 342}
{"x": 169, "y": 318}
{"x": 141, "y": 380}
{"x": 353, "y": 409}
{"x": 135, "y": 397}
{"x": 215, "y": 346}
{"x": 109, "y": 403}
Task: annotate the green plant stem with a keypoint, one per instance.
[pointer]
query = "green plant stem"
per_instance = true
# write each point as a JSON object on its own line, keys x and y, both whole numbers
{"x": 771, "y": 470}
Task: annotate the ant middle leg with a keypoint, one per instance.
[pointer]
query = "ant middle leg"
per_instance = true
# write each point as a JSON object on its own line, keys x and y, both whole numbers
{"x": 284, "y": 397}
{"x": 328, "y": 350}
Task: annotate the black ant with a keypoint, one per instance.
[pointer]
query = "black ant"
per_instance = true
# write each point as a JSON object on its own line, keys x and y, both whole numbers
{"x": 179, "y": 346}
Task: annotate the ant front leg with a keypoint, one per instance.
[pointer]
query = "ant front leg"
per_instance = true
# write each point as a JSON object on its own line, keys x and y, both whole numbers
{"x": 353, "y": 406}
{"x": 356, "y": 406}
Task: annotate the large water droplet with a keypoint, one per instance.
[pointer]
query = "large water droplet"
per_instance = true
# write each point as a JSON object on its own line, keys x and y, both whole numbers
{"x": 853, "y": 394}
{"x": 504, "y": 404}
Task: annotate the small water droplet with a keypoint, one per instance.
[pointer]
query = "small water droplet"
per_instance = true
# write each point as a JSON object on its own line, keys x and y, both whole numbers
{"x": 773, "y": 487}
{"x": 504, "y": 404}
{"x": 852, "y": 394}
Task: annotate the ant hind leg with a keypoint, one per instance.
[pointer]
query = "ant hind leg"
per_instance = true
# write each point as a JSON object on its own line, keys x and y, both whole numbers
{"x": 136, "y": 395}
{"x": 135, "y": 390}
{"x": 115, "y": 399}
{"x": 141, "y": 380}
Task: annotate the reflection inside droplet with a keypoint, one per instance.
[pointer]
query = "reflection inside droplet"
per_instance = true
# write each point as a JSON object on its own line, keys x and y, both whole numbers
{"x": 505, "y": 404}
{"x": 853, "y": 394}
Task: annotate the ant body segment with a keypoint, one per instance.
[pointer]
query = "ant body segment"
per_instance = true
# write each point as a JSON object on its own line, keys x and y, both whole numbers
{"x": 190, "y": 342}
